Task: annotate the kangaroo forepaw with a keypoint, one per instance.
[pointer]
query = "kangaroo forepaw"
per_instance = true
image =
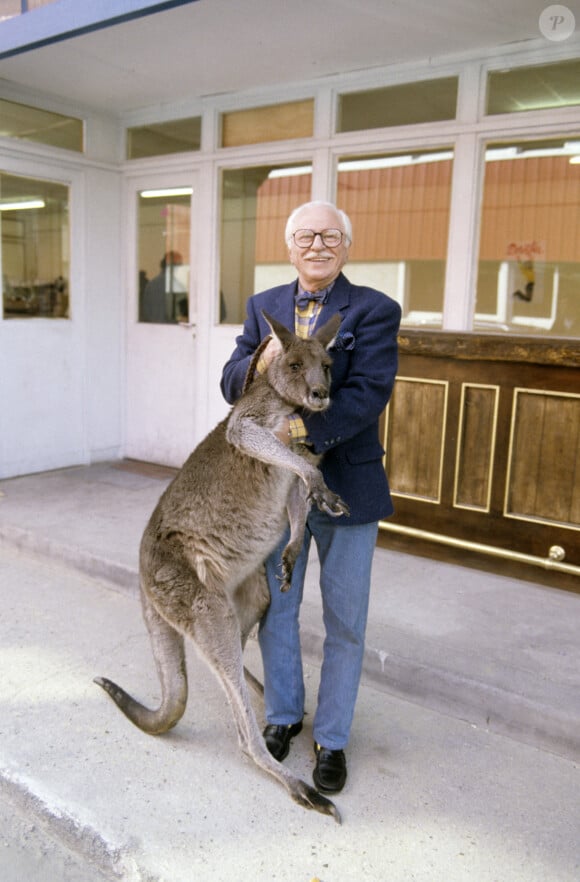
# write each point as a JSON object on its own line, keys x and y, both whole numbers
{"x": 289, "y": 556}
{"x": 337, "y": 509}
{"x": 284, "y": 581}
{"x": 310, "y": 798}
{"x": 329, "y": 502}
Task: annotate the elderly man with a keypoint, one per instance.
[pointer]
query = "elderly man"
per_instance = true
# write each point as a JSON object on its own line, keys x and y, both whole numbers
{"x": 364, "y": 356}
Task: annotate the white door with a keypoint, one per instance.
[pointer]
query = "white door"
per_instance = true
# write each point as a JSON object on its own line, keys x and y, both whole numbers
{"x": 161, "y": 321}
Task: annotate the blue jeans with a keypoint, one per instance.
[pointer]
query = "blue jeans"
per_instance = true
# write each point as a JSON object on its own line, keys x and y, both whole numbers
{"x": 345, "y": 554}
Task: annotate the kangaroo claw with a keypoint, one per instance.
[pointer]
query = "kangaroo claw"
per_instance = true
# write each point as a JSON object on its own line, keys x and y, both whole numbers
{"x": 338, "y": 509}
{"x": 330, "y": 503}
{"x": 284, "y": 583}
{"x": 310, "y": 798}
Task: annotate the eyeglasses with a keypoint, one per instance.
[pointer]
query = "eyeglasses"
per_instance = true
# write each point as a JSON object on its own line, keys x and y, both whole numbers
{"x": 305, "y": 238}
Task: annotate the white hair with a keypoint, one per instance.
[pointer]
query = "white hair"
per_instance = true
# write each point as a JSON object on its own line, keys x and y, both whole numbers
{"x": 317, "y": 203}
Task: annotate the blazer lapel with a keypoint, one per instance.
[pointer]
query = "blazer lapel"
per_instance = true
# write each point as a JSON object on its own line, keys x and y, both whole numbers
{"x": 337, "y": 301}
{"x": 281, "y": 304}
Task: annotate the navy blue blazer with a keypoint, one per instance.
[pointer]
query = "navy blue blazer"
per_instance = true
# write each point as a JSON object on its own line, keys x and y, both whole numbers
{"x": 364, "y": 364}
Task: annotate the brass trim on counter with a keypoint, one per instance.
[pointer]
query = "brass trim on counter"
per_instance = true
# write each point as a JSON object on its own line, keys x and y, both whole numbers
{"x": 548, "y": 563}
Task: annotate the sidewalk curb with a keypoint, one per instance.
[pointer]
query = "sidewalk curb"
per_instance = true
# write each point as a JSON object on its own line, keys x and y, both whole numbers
{"x": 119, "y": 576}
{"x": 473, "y": 701}
{"x": 81, "y": 838}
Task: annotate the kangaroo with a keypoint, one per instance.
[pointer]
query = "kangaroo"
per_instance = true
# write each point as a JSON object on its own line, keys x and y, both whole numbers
{"x": 202, "y": 553}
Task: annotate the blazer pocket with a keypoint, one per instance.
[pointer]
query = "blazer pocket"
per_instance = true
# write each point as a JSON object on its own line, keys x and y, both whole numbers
{"x": 368, "y": 453}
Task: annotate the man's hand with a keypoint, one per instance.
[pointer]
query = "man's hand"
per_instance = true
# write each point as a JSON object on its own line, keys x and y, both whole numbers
{"x": 291, "y": 429}
{"x": 283, "y": 432}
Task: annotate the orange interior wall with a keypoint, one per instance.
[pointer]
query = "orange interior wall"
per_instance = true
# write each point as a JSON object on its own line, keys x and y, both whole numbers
{"x": 402, "y": 213}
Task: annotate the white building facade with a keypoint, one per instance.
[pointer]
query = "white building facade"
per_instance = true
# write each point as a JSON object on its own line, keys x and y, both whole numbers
{"x": 92, "y": 380}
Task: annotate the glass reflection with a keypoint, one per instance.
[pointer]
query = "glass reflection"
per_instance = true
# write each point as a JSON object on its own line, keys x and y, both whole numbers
{"x": 164, "y": 232}
{"x": 529, "y": 256}
{"x": 399, "y": 207}
{"x": 256, "y": 203}
{"x": 34, "y": 226}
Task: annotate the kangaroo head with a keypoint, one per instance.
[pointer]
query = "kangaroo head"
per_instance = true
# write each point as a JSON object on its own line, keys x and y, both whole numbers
{"x": 300, "y": 374}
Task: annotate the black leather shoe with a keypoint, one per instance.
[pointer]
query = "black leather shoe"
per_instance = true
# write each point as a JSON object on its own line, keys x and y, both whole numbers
{"x": 330, "y": 772}
{"x": 278, "y": 739}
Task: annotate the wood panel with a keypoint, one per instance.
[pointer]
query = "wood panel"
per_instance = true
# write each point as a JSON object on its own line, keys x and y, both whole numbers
{"x": 499, "y": 418}
{"x": 418, "y": 410}
{"x": 476, "y": 445}
{"x": 543, "y": 475}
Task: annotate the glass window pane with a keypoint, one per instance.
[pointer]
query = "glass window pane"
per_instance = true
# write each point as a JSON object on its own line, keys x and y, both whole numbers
{"x": 402, "y": 105}
{"x": 40, "y": 126}
{"x": 10, "y": 8}
{"x": 256, "y": 203}
{"x": 36, "y": 4}
{"x": 159, "y": 139}
{"x": 277, "y": 122}
{"x": 163, "y": 250}
{"x": 529, "y": 254}
{"x": 534, "y": 88}
{"x": 399, "y": 207}
{"x": 34, "y": 226}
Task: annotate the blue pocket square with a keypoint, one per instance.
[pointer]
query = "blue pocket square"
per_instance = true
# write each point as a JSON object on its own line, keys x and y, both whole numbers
{"x": 344, "y": 341}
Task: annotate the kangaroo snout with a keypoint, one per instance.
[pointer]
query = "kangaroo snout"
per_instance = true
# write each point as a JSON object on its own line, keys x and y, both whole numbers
{"x": 318, "y": 398}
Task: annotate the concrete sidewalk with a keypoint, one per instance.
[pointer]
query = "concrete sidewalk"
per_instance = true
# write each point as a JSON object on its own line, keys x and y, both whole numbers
{"x": 495, "y": 651}
{"x": 430, "y": 797}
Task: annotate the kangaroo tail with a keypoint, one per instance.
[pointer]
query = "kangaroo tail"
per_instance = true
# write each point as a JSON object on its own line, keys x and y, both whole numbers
{"x": 154, "y": 722}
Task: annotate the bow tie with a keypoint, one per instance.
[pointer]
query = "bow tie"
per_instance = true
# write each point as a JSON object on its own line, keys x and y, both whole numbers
{"x": 303, "y": 299}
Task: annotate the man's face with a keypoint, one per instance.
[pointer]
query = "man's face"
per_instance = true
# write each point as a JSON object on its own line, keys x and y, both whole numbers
{"x": 318, "y": 265}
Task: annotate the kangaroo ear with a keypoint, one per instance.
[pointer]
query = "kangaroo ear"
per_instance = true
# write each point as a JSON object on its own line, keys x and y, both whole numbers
{"x": 327, "y": 332}
{"x": 278, "y": 330}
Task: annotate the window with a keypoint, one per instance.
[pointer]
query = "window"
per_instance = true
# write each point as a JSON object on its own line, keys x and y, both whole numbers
{"x": 40, "y": 126}
{"x": 401, "y": 105}
{"x": 277, "y": 122}
{"x": 534, "y": 88}
{"x": 529, "y": 257}
{"x": 34, "y": 226}
{"x": 10, "y": 8}
{"x": 163, "y": 253}
{"x": 399, "y": 208}
{"x": 256, "y": 203}
{"x": 160, "y": 139}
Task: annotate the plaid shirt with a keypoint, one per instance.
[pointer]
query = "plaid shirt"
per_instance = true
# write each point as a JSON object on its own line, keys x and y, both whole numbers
{"x": 305, "y": 319}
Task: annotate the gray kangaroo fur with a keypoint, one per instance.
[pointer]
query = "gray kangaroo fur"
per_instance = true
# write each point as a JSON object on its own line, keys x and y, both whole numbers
{"x": 202, "y": 553}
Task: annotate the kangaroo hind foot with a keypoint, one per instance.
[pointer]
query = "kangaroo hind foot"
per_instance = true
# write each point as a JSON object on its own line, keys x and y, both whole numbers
{"x": 309, "y": 798}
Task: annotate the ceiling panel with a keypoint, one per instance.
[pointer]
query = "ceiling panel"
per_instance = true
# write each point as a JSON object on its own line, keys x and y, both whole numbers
{"x": 216, "y": 46}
